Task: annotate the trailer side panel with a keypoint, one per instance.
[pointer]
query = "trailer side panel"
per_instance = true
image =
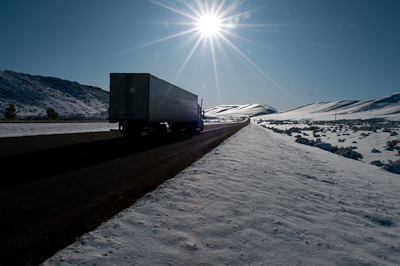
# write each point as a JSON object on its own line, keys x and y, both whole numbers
{"x": 169, "y": 103}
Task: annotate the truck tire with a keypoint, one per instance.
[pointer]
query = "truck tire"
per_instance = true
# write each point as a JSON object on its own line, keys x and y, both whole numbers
{"x": 131, "y": 130}
{"x": 194, "y": 127}
{"x": 176, "y": 127}
{"x": 162, "y": 129}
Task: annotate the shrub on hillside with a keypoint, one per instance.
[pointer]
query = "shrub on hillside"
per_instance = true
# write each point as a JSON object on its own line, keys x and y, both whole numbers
{"x": 377, "y": 163}
{"x": 10, "y": 112}
{"x": 393, "y": 167}
{"x": 391, "y": 144}
{"x": 52, "y": 114}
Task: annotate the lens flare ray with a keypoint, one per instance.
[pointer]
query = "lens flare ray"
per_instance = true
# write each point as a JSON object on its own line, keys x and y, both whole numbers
{"x": 218, "y": 10}
{"x": 173, "y": 9}
{"x": 215, "y": 68}
{"x": 198, "y": 14}
{"x": 245, "y": 39}
{"x": 257, "y": 67}
{"x": 187, "y": 58}
{"x": 152, "y": 42}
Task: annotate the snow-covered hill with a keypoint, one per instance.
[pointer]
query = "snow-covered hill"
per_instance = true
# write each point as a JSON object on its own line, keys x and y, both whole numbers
{"x": 387, "y": 107}
{"x": 237, "y": 111}
{"x": 33, "y": 95}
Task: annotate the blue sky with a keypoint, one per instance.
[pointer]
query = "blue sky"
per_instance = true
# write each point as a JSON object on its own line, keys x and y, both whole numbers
{"x": 286, "y": 53}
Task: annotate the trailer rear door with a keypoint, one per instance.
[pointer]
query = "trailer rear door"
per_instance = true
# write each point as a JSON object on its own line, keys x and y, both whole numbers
{"x": 129, "y": 97}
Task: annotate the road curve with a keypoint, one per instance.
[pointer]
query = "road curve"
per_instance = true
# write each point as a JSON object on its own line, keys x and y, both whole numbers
{"x": 55, "y": 188}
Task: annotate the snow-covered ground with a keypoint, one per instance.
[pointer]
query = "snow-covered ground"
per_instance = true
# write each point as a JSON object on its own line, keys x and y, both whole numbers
{"x": 362, "y": 136}
{"x": 33, "y": 129}
{"x": 258, "y": 199}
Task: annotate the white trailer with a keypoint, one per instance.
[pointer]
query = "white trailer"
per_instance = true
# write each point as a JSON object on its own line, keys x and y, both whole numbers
{"x": 141, "y": 100}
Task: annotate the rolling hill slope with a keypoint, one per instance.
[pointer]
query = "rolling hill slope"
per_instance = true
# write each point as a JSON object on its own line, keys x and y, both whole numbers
{"x": 236, "y": 111}
{"x": 387, "y": 107}
{"x": 33, "y": 95}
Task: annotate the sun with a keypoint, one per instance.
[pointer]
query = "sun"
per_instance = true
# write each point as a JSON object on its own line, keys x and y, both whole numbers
{"x": 209, "y": 24}
{"x": 214, "y": 22}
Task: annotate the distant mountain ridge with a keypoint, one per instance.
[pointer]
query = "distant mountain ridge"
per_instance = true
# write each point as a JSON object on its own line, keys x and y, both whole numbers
{"x": 32, "y": 95}
{"x": 387, "y": 107}
{"x": 390, "y": 103}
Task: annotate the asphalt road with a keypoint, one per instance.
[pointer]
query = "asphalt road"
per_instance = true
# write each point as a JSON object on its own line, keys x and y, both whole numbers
{"x": 55, "y": 188}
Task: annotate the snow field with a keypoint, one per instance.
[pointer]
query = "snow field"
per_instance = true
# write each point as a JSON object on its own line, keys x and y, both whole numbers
{"x": 371, "y": 144}
{"x": 259, "y": 198}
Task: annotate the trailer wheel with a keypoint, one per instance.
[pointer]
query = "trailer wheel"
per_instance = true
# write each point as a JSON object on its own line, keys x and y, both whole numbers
{"x": 162, "y": 129}
{"x": 132, "y": 131}
{"x": 176, "y": 127}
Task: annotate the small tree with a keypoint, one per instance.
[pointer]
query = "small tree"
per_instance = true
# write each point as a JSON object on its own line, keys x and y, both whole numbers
{"x": 51, "y": 113}
{"x": 10, "y": 112}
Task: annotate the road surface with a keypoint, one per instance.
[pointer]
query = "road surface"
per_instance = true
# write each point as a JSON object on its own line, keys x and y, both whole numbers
{"x": 55, "y": 188}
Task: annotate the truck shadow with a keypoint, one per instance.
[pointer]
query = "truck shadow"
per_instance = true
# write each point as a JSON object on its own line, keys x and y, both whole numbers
{"x": 23, "y": 168}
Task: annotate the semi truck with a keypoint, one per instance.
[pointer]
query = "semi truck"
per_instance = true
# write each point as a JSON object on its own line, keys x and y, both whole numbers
{"x": 141, "y": 101}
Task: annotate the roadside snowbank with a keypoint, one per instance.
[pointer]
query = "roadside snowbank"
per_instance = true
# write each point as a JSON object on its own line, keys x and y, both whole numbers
{"x": 256, "y": 199}
{"x": 8, "y": 130}
{"x": 32, "y": 129}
